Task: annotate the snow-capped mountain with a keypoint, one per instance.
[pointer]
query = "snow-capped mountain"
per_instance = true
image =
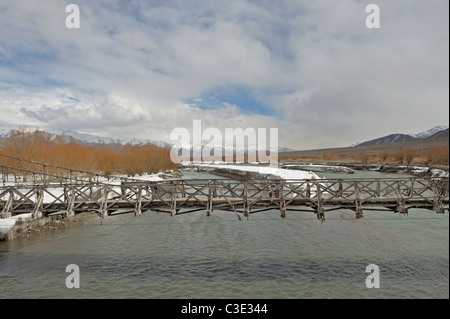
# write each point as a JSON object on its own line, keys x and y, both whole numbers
{"x": 435, "y": 132}
{"x": 72, "y": 135}
{"x": 5, "y": 132}
{"x": 430, "y": 132}
{"x": 388, "y": 139}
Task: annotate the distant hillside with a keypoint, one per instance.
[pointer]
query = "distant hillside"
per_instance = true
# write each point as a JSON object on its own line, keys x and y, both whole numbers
{"x": 439, "y": 134}
{"x": 82, "y": 138}
{"x": 390, "y": 139}
{"x": 433, "y": 133}
{"x": 417, "y": 144}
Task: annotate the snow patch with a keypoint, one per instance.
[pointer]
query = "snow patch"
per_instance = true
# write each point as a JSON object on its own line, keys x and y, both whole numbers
{"x": 287, "y": 174}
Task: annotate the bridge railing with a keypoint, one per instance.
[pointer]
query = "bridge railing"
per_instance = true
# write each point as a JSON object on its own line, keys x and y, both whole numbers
{"x": 210, "y": 194}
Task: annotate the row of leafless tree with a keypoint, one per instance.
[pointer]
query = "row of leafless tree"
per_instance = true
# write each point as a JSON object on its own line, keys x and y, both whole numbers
{"x": 426, "y": 156}
{"x": 99, "y": 158}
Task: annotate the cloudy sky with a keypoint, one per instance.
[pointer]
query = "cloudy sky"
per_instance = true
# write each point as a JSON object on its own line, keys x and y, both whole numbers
{"x": 310, "y": 68}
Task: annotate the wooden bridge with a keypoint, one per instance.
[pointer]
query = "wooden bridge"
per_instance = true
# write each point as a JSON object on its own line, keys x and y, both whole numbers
{"x": 247, "y": 196}
{"x": 43, "y": 190}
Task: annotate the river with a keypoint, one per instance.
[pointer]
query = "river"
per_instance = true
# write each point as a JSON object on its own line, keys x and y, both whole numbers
{"x": 195, "y": 256}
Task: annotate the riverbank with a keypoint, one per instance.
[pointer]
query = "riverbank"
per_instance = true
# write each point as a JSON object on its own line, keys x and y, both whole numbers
{"x": 255, "y": 171}
{"x": 39, "y": 227}
{"x": 262, "y": 170}
{"x": 349, "y": 168}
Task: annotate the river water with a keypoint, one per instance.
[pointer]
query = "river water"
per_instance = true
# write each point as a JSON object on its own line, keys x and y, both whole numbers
{"x": 195, "y": 256}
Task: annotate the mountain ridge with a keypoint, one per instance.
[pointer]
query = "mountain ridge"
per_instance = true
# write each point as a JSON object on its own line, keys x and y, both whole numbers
{"x": 435, "y": 132}
{"x": 74, "y": 136}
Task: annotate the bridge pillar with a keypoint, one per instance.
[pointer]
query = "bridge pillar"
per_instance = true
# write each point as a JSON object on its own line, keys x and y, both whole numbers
{"x": 320, "y": 213}
{"x": 246, "y": 210}
{"x": 438, "y": 207}
{"x": 359, "y": 212}
{"x": 283, "y": 211}
{"x": 402, "y": 209}
{"x": 358, "y": 208}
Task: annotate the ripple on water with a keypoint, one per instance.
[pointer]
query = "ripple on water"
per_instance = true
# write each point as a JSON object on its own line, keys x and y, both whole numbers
{"x": 191, "y": 256}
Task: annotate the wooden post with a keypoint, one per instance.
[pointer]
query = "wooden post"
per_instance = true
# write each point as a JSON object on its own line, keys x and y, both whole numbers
{"x": 104, "y": 202}
{"x": 308, "y": 191}
{"x": 245, "y": 195}
{"x": 209, "y": 207}
{"x": 209, "y": 204}
{"x": 44, "y": 174}
{"x": 37, "y": 211}
{"x": 320, "y": 212}
{"x": 358, "y": 208}
{"x": 174, "y": 205}
{"x": 282, "y": 201}
{"x": 183, "y": 190}
{"x": 137, "y": 210}
{"x": 65, "y": 197}
{"x": 90, "y": 186}
{"x": 70, "y": 212}
{"x": 437, "y": 199}
{"x": 401, "y": 207}
{"x": 378, "y": 189}
{"x": 411, "y": 187}
{"x": 6, "y": 211}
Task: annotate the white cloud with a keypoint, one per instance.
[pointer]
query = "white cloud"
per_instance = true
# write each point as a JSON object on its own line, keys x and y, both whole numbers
{"x": 132, "y": 65}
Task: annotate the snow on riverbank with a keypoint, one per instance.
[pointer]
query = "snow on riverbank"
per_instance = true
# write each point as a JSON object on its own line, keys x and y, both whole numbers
{"x": 435, "y": 172}
{"x": 144, "y": 177}
{"x": 319, "y": 168}
{"x": 287, "y": 174}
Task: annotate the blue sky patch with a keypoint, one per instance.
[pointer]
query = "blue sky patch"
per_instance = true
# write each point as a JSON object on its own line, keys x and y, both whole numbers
{"x": 247, "y": 101}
